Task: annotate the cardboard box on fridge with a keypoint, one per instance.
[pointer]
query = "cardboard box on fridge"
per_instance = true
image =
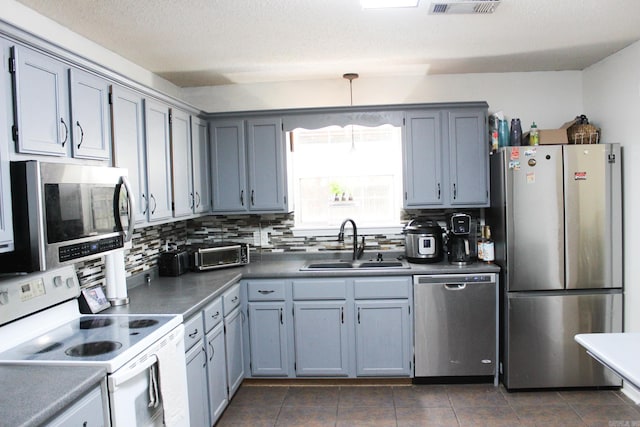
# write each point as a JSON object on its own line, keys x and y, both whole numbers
{"x": 551, "y": 136}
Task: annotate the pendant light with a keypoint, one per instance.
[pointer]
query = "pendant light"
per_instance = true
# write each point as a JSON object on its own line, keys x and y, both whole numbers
{"x": 351, "y": 77}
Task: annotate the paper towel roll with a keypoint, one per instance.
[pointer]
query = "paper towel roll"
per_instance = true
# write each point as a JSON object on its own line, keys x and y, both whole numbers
{"x": 116, "y": 278}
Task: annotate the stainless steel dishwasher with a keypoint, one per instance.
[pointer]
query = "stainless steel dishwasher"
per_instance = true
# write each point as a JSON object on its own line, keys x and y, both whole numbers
{"x": 456, "y": 326}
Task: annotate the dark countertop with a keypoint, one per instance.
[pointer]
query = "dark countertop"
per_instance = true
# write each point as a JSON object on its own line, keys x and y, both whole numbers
{"x": 32, "y": 395}
{"x": 187, "y": 294}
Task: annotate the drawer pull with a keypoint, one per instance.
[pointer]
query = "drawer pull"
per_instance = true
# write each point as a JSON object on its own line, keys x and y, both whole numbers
{"x": 235, "y": 299}
{"x": 194, "y": 333}
{"x": 215, "y": 316}
{"x": 265, "y": 291}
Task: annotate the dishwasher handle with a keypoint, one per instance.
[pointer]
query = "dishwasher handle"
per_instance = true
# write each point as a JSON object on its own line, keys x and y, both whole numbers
{"x": 455, "y": 287}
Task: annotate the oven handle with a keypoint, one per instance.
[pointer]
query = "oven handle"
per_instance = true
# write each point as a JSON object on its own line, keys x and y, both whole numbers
{"x": 123, "y": 375}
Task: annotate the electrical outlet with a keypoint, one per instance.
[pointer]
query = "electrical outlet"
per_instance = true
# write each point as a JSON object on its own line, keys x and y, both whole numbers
{"x": 264, "y": 238}
{"x": 256, "y": 238}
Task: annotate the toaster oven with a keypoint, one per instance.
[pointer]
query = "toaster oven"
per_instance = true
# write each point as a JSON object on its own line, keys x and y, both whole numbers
{"x": 218, "y": 255}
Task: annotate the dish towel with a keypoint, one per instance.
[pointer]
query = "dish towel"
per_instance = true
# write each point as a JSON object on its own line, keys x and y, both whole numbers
{"x": 173, "y": 379}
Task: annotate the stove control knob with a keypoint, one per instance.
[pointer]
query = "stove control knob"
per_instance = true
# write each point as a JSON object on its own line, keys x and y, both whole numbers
{"x": 70, "y": 282}
{"x": 4, "y": 297}
{"x": 57, "y": 281}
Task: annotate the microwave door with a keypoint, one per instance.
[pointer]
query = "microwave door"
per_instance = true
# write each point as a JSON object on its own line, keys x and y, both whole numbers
{"x": 125, "y": 208}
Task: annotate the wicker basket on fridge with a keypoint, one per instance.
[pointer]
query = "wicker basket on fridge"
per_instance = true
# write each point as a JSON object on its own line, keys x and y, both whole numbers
{"x": 582, "y": 132}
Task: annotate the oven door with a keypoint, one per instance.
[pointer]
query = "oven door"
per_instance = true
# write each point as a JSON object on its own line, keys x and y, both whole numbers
{"x": 133, "y": 396}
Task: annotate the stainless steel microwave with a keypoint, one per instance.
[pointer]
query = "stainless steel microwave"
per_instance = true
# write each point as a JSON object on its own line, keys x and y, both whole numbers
{"x": 64, "y": 213}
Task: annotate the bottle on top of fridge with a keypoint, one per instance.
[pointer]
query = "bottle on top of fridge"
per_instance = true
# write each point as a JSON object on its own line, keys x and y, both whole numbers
{"x": 534, "y": 135}
{"x": 516, "y": 132}
{"x": 488, "y": 249}
{"x": 503, "y": 133}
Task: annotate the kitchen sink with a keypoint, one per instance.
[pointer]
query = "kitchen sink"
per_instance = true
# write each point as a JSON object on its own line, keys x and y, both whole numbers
{"x": 340, "y": 265}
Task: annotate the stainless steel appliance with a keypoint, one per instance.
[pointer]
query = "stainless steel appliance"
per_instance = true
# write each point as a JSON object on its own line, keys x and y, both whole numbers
{"x": 66, "y": 213}
{"x": 423, "y": 241}
{"x": 143, "y": 355}
{"x": 556, "y": 216}
{"x": 456, "y": 330}
{"x": 461, "y": 242}
{"x": 209, "y": 256}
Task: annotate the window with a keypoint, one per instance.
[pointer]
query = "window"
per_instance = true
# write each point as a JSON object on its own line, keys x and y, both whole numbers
{"x": 347, "y": 172}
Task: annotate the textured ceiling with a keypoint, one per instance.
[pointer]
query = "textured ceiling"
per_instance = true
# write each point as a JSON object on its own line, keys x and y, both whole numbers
{"x": 214, "y": 42}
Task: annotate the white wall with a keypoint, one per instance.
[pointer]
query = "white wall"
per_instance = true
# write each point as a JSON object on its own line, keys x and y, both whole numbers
{"x": 26, "y": 19}
{"x": 612, "y": 101}
{"x": 549, "y": 98}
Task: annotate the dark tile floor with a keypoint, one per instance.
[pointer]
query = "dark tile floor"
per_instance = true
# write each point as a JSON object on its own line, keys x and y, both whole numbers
{"x": 425, "y": 405}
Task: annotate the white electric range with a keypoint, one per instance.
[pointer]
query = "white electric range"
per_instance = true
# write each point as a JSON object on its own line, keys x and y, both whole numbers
{"x": 40, "y": 323}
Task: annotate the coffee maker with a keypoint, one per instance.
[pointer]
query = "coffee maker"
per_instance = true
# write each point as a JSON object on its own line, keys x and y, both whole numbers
{"x": 461, "y": 239}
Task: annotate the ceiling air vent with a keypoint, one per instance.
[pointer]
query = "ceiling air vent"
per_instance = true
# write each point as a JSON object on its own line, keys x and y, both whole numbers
{"x": 463, "y": 6}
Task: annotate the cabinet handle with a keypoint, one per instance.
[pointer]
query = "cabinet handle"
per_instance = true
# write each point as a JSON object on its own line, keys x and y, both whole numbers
{"x": 242, "y": 197}
{"x": 81, "y": 134}
{"x": 215, "y": 316}
{"x": 342, "y": 314}
{"x": 212, "y": 352}
{"x": 438, "y": 191}
{"x": 204, "y": 365}
{"x": 193, "y": 201}
{"x": 197, "y": 199}
{"x": 194, "y": 333}
{"x": 146, "y": 204}
{"x": 265, "y": 291}
{"x": 455, "y": 191}
{"x": 281, "y": 317}
{"x": 358, "y": 315}
{"x": 234, "y": 299}
{"x": 252, "y": 200}
{"x": 457, "y": 287}
{"x": 155, "y": 205}
{"x": 66, "y": 131}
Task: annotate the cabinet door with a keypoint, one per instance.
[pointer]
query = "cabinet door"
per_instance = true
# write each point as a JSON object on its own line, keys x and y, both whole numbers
{"x": 266, "y": 162}
{"x": 216, "y": 373}
{"x": 235, "y": 357}
{"x": 468, "y": 158}
{"x": 89, "y": 411}
{"x": 6, "y": 225}
{"x": 383, "y": 338}
{"x": 158, "y": 160}
{"x": 228, "y": 168}
{"x": 129, "y": 144}
{"x": 268, "y": 338}
{"x": 200, "y": 161}
{"x": 321, "y": 341}
{"x": 181, "y": 170}
{"x": 196, "y": 360}
{"x": 41, "y": 108}
{"x": 89, "y": 115}
{"x": 422, "y": 158}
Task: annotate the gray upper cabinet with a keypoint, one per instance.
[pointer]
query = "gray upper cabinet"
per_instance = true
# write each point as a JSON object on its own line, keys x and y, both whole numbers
{"x": 468, "y": 158}
{"x": 89, "y": 115}
{"x": 446, "y": 158}
{"x": 200, "y": 160}
{"x": 6, "y": 226}
{"x": 248, "y": 166}
{"x": 228, "y": 167}
{"x": 158, "y": 160}
{"x": 41, "y": 114}
{"x": 182, "y": 176}
{"x": 422, "y": 155}
{"x": 56, "y": 106}
{"x": 127, "y": 109}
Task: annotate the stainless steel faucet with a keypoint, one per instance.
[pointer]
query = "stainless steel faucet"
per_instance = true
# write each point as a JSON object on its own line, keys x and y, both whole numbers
{"x": 357, "y": 251}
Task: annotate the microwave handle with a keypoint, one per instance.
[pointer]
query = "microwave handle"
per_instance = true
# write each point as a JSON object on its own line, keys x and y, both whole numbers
{"x": 132, "y": 208}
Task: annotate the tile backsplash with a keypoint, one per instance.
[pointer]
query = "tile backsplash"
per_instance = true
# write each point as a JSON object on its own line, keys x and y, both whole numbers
{"x": 269, "y": 233}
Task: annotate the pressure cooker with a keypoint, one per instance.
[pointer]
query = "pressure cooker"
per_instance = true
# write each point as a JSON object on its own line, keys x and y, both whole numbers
{"x": 423, "y": 241}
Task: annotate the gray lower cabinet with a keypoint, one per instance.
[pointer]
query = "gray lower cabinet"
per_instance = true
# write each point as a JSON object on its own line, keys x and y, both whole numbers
{"x": 89, "y": 411}
{"x": 234, "y": 350}
{"x": 384, "y": 326}
{"x": 196, "y": 360}
{"x": 216, "y": 373}
{"x": 268, "y": 339}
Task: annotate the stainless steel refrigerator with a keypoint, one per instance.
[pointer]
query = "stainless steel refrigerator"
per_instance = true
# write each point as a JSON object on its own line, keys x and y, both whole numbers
{"x": 557, "y": 226}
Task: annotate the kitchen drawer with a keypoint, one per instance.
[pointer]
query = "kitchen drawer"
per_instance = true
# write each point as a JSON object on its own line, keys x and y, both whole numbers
{"x": 319, "y": 289}
{"x": 382, "y": 288}
{"x": 212, "y": 314}
{"x": 266, "y": 290}
{"x": 231, "y": 299}
{"x": 193, "y": 331}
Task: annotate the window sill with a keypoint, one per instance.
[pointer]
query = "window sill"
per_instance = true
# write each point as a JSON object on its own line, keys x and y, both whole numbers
{"x": 333, "y": 231}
